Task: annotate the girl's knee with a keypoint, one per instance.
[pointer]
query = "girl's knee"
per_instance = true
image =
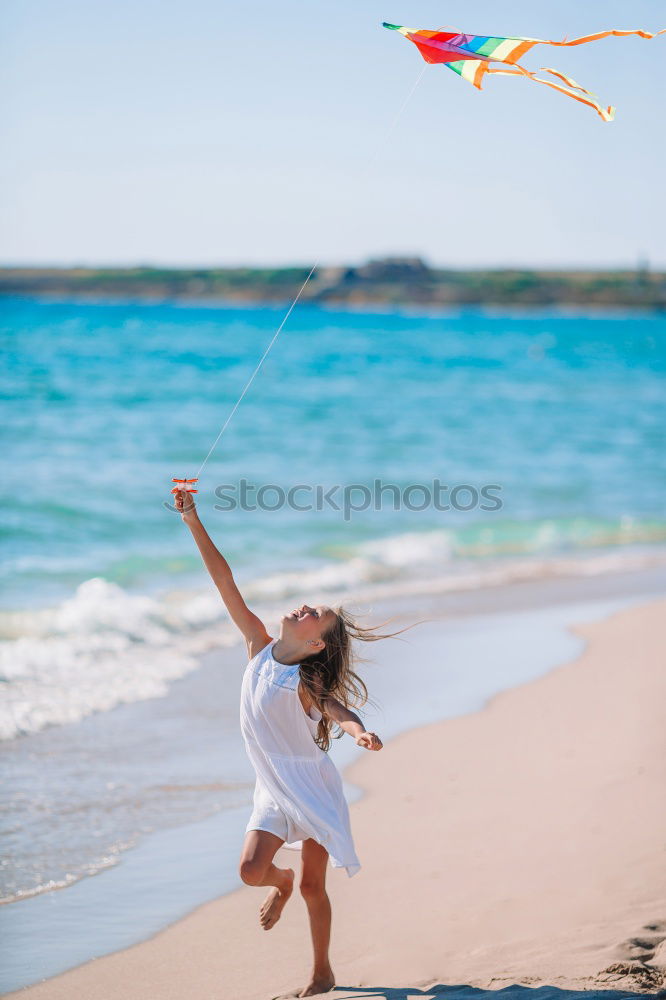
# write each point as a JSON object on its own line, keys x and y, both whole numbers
{"x": 311, "y": 889}
{"x": 251, "y": 871}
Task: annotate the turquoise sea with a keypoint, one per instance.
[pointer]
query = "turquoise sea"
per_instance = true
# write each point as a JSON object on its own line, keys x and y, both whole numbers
{"x": 563, "y": 415}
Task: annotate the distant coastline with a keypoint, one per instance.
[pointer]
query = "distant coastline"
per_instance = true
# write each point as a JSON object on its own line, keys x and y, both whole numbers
{"x": 389, "y": 281}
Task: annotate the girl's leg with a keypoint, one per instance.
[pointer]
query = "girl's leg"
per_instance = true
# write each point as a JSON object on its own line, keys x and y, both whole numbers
{"x": 313, "y": 890}
{"x": 257, "y": 868}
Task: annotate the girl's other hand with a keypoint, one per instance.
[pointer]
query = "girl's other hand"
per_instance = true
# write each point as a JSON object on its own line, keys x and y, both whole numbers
{"x": 370, "y": 741}
{"x": 186, "y": 506}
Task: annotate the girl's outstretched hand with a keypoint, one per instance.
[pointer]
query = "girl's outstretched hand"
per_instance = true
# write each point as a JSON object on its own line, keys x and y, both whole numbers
{"x": 370, "y": 741}
{"x": 186, "y": 506}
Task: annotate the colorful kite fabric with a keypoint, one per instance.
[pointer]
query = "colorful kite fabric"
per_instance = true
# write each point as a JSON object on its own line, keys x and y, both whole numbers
{"x": 471, "y": 55}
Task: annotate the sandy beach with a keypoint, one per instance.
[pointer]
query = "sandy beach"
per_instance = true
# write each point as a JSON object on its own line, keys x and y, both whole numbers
{"x": 521, "y": 845}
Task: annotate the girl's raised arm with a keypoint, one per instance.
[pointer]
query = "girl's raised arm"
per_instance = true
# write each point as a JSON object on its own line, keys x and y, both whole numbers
{"x": 250, "y": 625}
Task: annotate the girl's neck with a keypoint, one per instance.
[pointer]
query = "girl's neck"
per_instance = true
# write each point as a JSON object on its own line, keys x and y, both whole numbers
{"x": 287, "y": 654}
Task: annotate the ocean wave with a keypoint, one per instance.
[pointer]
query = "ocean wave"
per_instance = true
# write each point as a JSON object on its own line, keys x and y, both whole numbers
{"x": 100, "y": 648}
{"x": 443, "y": 560}
{"x": 105, "y": 646}
{"x": 363, "y": 580}
{"x": 106, "y": 861}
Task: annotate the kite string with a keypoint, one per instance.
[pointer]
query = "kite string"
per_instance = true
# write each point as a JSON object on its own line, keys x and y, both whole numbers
{"x": 380, "y": 145}
{"x": 252, "y": 377}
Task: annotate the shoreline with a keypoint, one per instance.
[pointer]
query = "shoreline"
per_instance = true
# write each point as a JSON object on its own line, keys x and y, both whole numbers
{"x": 388, "y": 282}
{"x": 237, "y": 908}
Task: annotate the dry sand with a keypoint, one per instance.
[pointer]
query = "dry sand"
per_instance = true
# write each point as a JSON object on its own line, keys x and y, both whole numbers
{"x": 520, "y": 846}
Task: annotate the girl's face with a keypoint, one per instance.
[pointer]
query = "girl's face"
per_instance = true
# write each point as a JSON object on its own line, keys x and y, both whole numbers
{"x": 307, "y": 622}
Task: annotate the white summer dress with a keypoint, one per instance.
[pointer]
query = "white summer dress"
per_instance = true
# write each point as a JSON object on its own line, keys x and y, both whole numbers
{"x": 298, "y": 792}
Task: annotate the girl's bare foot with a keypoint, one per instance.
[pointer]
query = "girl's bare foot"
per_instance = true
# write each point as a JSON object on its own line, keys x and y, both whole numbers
{"x": 272, "y": 906}
{"x": 321, "y": 982}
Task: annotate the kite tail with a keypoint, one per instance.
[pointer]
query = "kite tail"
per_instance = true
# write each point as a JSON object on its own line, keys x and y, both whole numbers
{"x": 568, "y": 81}
{"x": 578, "y": 94}
{"x": 474, "y": 70}
{"x": 606, "y": 34}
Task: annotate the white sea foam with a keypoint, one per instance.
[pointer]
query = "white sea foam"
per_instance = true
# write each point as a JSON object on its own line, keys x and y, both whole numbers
{"x": 374, "y": 561}
{"x": 410, "y": 549}
{"x": 105, "y": 646}
{"x": 376, "y": 587}
{"x": 98, "y": 649}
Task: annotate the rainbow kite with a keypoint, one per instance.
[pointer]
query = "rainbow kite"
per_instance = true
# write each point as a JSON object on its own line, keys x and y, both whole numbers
{"x": 471, "y": 55}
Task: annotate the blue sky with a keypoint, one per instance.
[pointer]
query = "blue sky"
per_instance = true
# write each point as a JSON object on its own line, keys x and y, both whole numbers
{"x": 202, "y": 133}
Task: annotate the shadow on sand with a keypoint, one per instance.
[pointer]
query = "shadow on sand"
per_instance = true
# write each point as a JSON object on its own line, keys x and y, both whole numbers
{"x": 439, "y": 991}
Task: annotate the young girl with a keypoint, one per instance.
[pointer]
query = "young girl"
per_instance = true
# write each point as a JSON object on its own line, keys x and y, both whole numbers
{"x": 294, "y": 689}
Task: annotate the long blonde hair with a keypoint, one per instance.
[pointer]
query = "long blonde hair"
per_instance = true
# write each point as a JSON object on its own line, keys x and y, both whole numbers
{"x": 331, "y": 671}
